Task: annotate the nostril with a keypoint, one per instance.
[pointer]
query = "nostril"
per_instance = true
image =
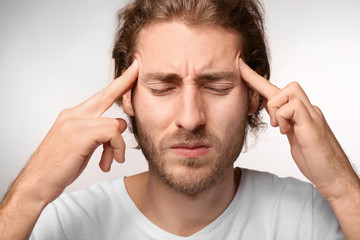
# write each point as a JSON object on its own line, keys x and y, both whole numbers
{"x": 190, "y": 120}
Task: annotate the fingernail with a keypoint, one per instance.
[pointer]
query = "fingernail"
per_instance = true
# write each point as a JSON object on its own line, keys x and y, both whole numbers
{"x": 135, "y": 62}
{"x": 241, "y": 61}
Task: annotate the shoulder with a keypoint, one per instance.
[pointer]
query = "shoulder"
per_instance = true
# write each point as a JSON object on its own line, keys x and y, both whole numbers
{"x": 270, "y": 193}
{"x": 288, "y": 203}
{"x": 99, "y": 190}
{"x": 80, "y": 209}
{"x": 284, "y": 187}
{"x": 91, "y": 197}
{"x": 269, "y": 183}
{"x": 101, "y": 195}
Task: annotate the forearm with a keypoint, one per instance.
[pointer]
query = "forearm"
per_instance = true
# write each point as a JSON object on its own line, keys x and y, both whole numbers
{"x": 19, "y": 212}
{"x": 347, "y": 210}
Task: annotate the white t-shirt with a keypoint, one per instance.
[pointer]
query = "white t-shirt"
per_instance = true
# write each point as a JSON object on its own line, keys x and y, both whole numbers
{"x": 264, "y": 207}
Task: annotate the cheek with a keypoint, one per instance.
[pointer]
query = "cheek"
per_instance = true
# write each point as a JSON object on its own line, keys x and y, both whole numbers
{"x": 156, "y": 114}
{"x": 227, "y": 112}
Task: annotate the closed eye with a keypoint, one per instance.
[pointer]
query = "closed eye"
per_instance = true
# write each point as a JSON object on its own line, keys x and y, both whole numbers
{"x": 220, "y": 89}
{"x": 161, "y": 91}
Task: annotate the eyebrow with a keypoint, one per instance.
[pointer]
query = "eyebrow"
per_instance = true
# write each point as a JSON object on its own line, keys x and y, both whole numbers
{"x": 212, "y": 76}
{"x": 217, "y": 76}
{"x": 164, "y": 77}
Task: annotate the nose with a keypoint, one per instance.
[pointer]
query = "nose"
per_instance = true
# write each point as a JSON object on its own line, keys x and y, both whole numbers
{"x": 190, "y": 109}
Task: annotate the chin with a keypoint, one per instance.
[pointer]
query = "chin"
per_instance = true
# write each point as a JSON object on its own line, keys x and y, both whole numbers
{"x": 190, "y": 179}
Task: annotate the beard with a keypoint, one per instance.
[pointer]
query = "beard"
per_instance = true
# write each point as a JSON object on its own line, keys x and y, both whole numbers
{"x": 197, "y": 174}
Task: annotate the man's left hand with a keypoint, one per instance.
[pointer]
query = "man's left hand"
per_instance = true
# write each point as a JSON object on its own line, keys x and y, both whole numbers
{"x": 314, "y": 147}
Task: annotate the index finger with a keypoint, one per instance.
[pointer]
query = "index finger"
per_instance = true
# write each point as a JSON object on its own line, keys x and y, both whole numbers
{"x": 257, "y": 82}
{"x": 103, "y": 100}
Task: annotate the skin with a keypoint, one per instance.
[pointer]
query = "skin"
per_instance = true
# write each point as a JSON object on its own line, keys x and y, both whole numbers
{"x": 63, "y": 155}
{"x": 314, "y": 147}
{"x": 77, "y": 132}
{"x": 171, "y": 109}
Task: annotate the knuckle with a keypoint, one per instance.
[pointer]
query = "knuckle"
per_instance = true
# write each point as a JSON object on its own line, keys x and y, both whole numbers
{"x": 271, "y": 103}
{"x": 64, "y": 114}
{"x": 67, "y": 126}
{"x": 294, "y": 86}
{"x": 297, "y": 103}
{"x": 278, "y": 114}
{"x": 318, "y": 110}
{"x": 116, "y": 126}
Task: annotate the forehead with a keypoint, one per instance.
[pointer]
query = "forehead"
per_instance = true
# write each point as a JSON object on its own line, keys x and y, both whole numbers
{"x": 177, "y": 46}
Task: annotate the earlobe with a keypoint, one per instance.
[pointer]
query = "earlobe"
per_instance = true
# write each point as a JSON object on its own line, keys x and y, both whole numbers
{"x": 253, "y": 102}
{"x": 127, "y": 104}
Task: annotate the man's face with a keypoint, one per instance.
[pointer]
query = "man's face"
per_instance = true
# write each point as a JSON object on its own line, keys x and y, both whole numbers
{"x": 189, "y": 103}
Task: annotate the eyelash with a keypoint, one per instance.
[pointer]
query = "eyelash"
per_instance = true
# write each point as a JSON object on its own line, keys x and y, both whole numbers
{"x": 161, "y": 91}
{"x": 167, "y": 90}
{"x": 220, "y": 90}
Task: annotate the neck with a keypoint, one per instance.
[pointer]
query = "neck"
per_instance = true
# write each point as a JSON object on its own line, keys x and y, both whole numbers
{"x": 183, "y": 214}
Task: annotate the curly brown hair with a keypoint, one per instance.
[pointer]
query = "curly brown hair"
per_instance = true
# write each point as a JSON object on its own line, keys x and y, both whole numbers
{"x": 242, "y": 16}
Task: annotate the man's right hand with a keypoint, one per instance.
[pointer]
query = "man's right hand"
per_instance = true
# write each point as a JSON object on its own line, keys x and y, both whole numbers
{"x": 64, "y": 154}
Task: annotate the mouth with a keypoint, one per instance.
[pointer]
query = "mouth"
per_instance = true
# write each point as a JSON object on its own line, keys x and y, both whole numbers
{"x": 190, "y": 150}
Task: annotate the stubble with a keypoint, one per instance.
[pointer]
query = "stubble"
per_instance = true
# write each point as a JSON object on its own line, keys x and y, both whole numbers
{"x": 193, "y": 178}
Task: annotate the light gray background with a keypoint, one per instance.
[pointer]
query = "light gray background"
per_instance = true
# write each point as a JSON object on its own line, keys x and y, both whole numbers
{"x": 55, "y": 54}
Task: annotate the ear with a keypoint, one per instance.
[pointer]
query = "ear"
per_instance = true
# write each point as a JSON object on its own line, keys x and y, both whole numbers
{"x": 127, "y": 104}
{"x": 253, "y": 102}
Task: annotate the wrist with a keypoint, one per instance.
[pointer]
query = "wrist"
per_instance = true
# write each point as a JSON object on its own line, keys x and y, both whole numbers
{"x": 36, "y": 188}
{"x": 347, "y": 210}
{"x": 349, "y": 192}
{"x": 23, "y": 199}
{"x": 19, "y": 212}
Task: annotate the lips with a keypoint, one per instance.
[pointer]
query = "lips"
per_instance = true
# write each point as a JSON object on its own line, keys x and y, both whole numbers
{"x": 190, "y": 150}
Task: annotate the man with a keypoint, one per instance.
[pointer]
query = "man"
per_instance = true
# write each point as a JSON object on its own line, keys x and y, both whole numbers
{"x": 191, "y": 99}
